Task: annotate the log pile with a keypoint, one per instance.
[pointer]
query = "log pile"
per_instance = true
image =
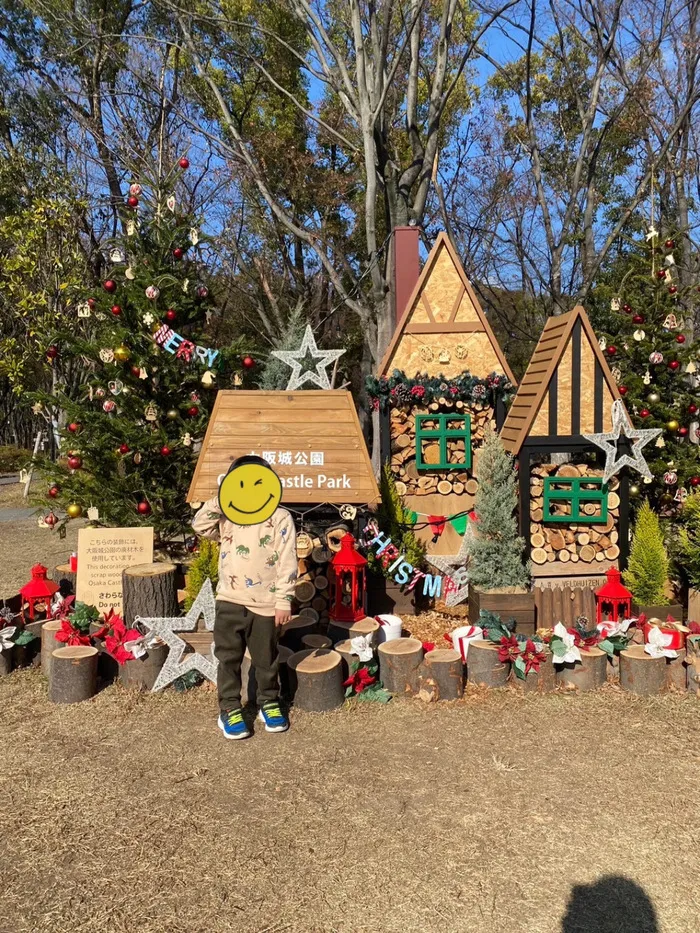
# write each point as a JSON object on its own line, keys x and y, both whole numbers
{"x": 561, "y": 543}
{"x": 409, "y": 480}
{"x": 312, "y": 593}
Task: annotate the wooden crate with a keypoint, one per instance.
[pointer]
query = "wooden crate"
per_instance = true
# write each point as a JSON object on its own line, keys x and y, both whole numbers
{"x": 518, "y": 606}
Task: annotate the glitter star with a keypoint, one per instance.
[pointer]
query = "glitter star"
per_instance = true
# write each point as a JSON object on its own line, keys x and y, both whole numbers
{"x": 301, "y": 372}
{"x": 608, "y": 443}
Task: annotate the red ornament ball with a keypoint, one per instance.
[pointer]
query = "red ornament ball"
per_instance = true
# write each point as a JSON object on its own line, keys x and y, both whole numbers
{"x": 612, "y": 350}
{"x": 638, "y": 319}
{"x": 682, "y": 430}
{"x": 627, "y": 309}
{"x": 178, "y": 252}
{"x": 248, "y": 362}
{"x": 136, "y": 371}
{"x": 674, "y": 364}
{"x": 54, "y": 491}
{"x": 110, "y": 286}
{"x": 52, "y": 353}
{"x": 132, "y": 201}
{"x": 660, "y": 273}
{"x": 143, "y": 508}
{"x": 695, "y": 480}
{"x": 165, "y": 451}
{"x": 91, "y": 303}
{"x": 184, "y": 163}
{"x": 692, "y": 408}
{"x": 670, "y": 244}
{"x": 193, "y": 411}
{"x": 170, "y": 315}
{"x": 116, "y": 310}
{"x": 124, "y": 448}
{"x": 680, "y": 338}
{"x": 622, "y": 390}
{"x": 74, "y": 462}
{"x": 50, "y": 520}
{"x": 74, "y": 427}
{"x": 644, "y": 413}
{"x": 672, "y": 289}
{"x": 201, "y": 291}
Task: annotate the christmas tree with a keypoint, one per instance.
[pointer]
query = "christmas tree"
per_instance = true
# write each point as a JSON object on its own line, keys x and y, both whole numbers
{"x": 651, "y": 355}
{"x": 647, "y": 571}
{"x": 128, "y": 437}
{"x": 497, "y": 551}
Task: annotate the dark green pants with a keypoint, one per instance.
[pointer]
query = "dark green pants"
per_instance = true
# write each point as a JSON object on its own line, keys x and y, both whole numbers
{"x": 235, "y": 628}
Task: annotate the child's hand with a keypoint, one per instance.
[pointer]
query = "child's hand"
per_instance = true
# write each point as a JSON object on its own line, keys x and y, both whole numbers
{"x": 282, "y": 616}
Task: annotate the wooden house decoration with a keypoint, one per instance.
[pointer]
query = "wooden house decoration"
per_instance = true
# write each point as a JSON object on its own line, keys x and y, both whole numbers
{"x": 433, "y": 448}
{"x": 574, "y": 524}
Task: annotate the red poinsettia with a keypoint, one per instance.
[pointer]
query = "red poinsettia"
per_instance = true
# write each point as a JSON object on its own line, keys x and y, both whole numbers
{"x": 509, "y": 649}
{"x": 694, "y": 628}
{"x": 119, "y": 634}
{"x": 62, "y": 610}
{"x": 359, "y": 680}
{"x": 70, "y": 635}
{"x": 428, "y": 646}
{"x": 532, "y": 656}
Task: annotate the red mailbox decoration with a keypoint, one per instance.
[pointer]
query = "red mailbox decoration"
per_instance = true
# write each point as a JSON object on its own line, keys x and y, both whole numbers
{"x": 38, "y": 590}
{"x": 613, "y": 601}
{"x": 348, "y": 583}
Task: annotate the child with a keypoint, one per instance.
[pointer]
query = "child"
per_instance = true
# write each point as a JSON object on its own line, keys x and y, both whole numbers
{"x": 257, "y": 572}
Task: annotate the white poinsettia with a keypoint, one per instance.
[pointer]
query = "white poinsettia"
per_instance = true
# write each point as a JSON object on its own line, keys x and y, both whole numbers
{"x": 139, "y": 647}
{"x": 610, "y": 629}
{"x": 361, "y": 645}
{"x": 658, "y": 642}
{"x": 6, "y": 636}
{"x": 564, "y": 650}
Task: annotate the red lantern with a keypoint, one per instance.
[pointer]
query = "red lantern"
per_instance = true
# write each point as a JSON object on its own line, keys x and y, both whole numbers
{"x": 38, "y": 591}
{"x": 348, "y": 569}
{"x": 613, "y": 601}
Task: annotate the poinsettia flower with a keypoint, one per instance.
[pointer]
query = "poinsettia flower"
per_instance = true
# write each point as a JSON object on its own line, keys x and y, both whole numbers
{"x": 694, "y": 628}
{"x": 359, "y": 680}
{"x": 428, "y": 646}
{"x": 610, "y": 629}
{"x": 533, "y": 655}
{"x": 642, "y": 620}
{"x": 61, "y": 607}
{"x": 571, "y": 653}
{"x": 114, "y": 642}
{"x": 509, "y": 649}
{"x": 361, "y": 645}
{"x": 69, "y": 635}
{"x": 658, "y": 642}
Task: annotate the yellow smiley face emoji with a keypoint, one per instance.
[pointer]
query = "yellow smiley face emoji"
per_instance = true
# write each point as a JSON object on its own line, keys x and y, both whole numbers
{"x": 250, "y": 492}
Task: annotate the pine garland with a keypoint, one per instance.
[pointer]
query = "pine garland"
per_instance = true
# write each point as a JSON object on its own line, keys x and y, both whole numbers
{"x": 402, "y": 391}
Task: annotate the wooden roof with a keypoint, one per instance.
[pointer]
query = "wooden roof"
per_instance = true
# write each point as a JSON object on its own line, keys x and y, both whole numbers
{"x": 444, "y": 316}
{"x": 568, "y": 389}
{"x": 305, "y": 426}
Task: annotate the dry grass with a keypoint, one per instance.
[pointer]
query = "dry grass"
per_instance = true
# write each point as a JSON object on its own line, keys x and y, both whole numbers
{"x": 131, "y": 813}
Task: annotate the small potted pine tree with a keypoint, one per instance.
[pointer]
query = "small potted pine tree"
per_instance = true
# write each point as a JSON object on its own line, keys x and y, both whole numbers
{"x": 687, "y": 552}
{"x": 647, "y": 571}
{"x": 499, "y": 579}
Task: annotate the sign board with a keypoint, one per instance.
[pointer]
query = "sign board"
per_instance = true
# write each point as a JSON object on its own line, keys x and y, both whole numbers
{"x": 103, "y": 553}
{"x": 311, "y": 438}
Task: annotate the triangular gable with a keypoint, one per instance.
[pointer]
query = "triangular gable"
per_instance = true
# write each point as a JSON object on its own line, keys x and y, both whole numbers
{"x": 444, "y": 329}
{"x": 568, "y": 389}
{"x": 312, "y": 439}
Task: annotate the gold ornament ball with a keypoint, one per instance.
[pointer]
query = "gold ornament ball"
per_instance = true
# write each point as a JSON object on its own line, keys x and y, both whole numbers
{"x": 672, "y": 425}
{"x": 653, "y": 398}
{"x": 172, "y": 414}
{"x": 74, "y": 510}
{"x": 634, "y": 492}
{"x": 122, "y": 354}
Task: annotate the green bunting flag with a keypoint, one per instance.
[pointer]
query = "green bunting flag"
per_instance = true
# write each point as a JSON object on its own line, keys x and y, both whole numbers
{"x": 460, "y": 523}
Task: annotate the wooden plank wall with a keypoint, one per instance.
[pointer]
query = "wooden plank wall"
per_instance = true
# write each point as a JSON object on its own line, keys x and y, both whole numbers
{"x": 559, "y": 602}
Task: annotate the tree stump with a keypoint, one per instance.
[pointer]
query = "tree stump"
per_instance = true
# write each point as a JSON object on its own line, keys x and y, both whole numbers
{"x": 399, "y": 665}
{"x": 676, "y": 672}
{"x": 149, "y": 590}
{"x": 542, "y": 681}
{"x": 442, "y": 674}
{"x": 587, "y": 674}
{"x": 65, "y": 577}
{"x": 340, "y": 631}
{"x": 316, "y": 641}
{"x": 316, "y": 680}
{"x": 73, "y": 675}
{"x": 294, "y": 630}
{"x": 142, "y": 673}
{"x": 49, "y": 645}
{"x": 7, "y": 660}
{"x": 692, "y": 647}
{"x": 640, "y": 673}
{"x": 484, "y": 667}
{"x": 344, "y": 649}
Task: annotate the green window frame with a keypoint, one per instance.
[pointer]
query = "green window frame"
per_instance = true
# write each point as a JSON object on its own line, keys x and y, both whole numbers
{"x": 576, "y": 496}
{"x": 442, "y": 434}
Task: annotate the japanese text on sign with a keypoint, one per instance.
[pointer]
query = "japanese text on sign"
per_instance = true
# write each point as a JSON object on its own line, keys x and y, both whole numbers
{"x": 103, "y": 553}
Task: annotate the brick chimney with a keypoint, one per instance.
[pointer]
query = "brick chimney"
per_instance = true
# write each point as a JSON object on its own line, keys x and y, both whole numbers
{"x": 406, "y": 267}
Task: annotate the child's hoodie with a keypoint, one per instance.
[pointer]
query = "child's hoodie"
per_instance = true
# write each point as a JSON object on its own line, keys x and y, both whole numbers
{"x": 257, "y": 563}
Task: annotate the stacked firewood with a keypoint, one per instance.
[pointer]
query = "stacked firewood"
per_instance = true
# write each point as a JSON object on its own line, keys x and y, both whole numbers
{"x": 312, "y": 593}
{"x": 572, "y": 543}
{"x": 411, "y": 481}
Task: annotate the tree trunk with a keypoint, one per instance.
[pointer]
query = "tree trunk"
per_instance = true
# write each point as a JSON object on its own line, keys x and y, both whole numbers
{"x": 588, "y": 674}
{"x": 150, "y": 591}
{"x": 640, "y": 673}
{"x": 484, "y": 667}
{"x": 73, "y": 674}
{"x": 315, "y": 641}
{"x": 49, "y": 645}
{"x": 142, "y": 673}
{"x": 316, "y": 680}
{"x": 7, "y": 661}
{"x": 65, "y": 577}
{"x": 340, "y": 631}
{"x": 399, "y": 665}
{"x": 692, "y": 647}
{"x": 296, "y": 629}
{"x": 442, "y": 675}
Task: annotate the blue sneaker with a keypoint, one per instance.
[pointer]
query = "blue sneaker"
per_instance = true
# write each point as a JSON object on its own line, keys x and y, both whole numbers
{"x": 273, "y": 717}
{"x": 232, "y": 724}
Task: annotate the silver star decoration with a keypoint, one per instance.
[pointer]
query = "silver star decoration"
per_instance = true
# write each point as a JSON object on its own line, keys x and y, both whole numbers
{"x": 175, "y": 666}
{"x": 455, "y": 567}
{"x": 608, "y": 442}
{"x": 293, "y": 358}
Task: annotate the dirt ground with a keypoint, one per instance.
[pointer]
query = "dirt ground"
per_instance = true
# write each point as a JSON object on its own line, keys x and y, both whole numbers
{"x": 500, "y": 812}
